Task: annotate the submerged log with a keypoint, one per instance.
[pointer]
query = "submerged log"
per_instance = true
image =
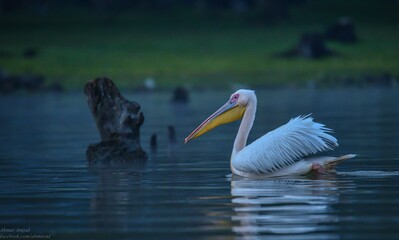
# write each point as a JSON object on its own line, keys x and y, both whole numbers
{"x": 118, "y": 121}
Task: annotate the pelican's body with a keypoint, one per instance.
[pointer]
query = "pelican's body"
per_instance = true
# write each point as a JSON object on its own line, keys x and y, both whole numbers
{"x": 281, "y": 152}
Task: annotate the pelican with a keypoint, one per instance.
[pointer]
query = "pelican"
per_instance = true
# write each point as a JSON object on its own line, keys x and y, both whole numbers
{"x": 285, "y": 151}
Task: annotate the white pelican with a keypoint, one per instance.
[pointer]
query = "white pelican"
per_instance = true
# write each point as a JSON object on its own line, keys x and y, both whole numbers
{"x": 281, "y": 152}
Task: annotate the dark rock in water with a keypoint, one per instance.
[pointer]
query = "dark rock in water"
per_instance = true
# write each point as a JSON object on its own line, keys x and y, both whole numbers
{"x": 341, "y": 31}
{"x": 30, "y": 53}
{"x": 180, "y": 95}
{"x": 310, "y": 46}
{"x": 118, "y": 122}
{"x": 154, "y": 143}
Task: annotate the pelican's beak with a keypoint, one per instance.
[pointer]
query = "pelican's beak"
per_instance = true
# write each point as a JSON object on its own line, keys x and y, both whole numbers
{"x": 228, "y": 113}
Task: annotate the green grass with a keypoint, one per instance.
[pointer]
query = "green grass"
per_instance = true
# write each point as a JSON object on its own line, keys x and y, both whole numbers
{"x": 190, "y": 50}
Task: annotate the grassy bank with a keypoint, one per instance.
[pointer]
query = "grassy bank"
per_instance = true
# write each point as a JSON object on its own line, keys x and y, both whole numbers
{"x": 74, "y": 47}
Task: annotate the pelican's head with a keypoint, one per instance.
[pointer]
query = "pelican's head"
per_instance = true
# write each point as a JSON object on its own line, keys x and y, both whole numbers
{"x": 231, "y": 111}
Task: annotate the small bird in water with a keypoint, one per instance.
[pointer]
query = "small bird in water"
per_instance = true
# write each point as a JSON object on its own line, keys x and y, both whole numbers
{"x": 285, "y": 151}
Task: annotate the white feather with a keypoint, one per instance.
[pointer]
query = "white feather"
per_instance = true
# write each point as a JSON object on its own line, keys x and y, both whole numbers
{"x": 284, "y": 146}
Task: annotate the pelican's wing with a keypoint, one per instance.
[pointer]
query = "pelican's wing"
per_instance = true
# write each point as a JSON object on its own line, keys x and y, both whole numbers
{"x": 284, "y": 146}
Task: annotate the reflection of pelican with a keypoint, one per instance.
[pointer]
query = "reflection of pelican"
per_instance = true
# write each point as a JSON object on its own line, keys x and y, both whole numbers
{"x": 298, "y": 208}
{"x": 279, "y": 152}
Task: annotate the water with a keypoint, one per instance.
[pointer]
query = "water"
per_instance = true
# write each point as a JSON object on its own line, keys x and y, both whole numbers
{"x": 184, "y": 191}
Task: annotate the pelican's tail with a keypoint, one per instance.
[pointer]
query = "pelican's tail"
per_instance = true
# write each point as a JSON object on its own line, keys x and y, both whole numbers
{"x": 329, "y": 163}
{"x": 332, "y": 163}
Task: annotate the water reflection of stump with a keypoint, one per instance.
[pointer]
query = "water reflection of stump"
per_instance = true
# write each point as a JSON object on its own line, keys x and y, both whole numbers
{"x": 111, "y": 204}
{"x": 118, "y": 122}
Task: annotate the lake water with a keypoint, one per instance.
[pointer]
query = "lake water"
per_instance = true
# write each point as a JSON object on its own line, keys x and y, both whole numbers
{"x": 183, "y": 192}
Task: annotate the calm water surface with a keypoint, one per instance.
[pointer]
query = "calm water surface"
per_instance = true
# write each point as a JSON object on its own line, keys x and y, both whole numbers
{"x": 184, "y": 191}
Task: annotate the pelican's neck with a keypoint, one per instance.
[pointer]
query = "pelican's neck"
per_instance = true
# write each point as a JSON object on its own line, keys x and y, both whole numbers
{"x": 245, "y": 127}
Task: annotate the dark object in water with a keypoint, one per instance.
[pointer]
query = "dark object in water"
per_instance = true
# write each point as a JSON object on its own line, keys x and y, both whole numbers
{"x": 118, "y": 122}
{"x": 310, "y": 46}
{"x": 180, "y": 95}
{"x": 342, "y": 31}
{"x": 172, "y": 135}
{"x": 153, "y": 142}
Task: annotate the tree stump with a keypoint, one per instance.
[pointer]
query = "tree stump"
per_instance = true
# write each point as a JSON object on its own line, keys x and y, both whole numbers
{"x": 118, "y": 121}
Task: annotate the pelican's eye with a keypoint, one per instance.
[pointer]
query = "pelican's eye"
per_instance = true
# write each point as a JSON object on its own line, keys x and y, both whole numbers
{"x": 235, "y": 97}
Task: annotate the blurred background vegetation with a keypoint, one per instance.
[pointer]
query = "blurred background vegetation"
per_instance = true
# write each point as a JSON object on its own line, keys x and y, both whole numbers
{"x": 196, "y": 43}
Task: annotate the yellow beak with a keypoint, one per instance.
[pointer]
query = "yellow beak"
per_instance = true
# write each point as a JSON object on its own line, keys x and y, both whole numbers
{"x": 228, "y": 113}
